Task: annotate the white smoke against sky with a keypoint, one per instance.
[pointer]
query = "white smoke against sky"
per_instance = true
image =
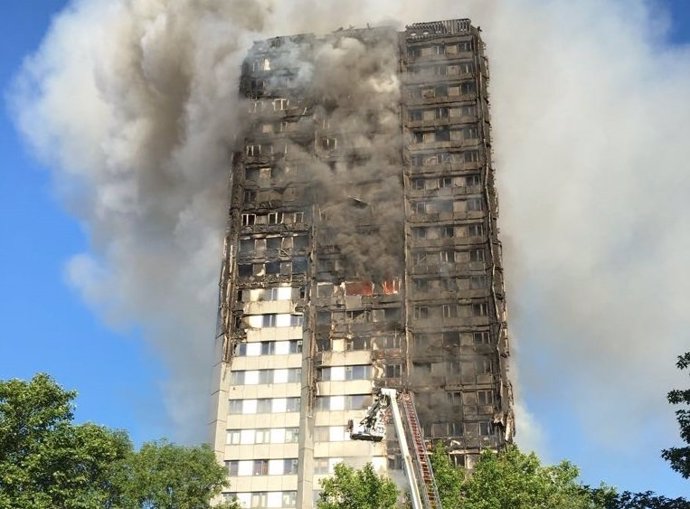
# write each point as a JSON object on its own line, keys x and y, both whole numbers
{"x": 133, "y": 104}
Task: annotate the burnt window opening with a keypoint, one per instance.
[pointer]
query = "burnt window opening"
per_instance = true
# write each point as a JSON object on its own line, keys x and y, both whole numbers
{"x": 485, "y": 397}
{"x": 475, "y": 204}
{"x": 249, "y": 195}
{"x": 415, "y": 115}
{"x": 393, "y": 341}
{"x": 273, "y": 243}
{"x": 323, "y": 317}
{"x": 447, "y": 232}
{"x": 477, "y": 255}
{"x": 359, "y": 343}
{"x": 248, "y": 219}
{"x": 484, "y": 365}
{"x": 300, "y": 242}
{"x": 449, "y": 310}
{"x": 299, "y": 265}
{"x": 477, "y": 282}
{"x": 421, "y": 312}
{"x": 485, "y": 429}
{"x": 443, "y": 135}
{"x": 451, "y": 339}
{"x": 245, "y": 269}
{"x": 473, "y": 180}
{"x": 391, "y": 314}
{"x": 393, "y": 371}
{"x": 421, "y": 368}
{"x": 482, "y": 338}
{"x": 454, "y": 397}
{"x": 471, "y": 132}
{"x": 480, "y": 309}
{"x": 273, "y": 267}
{"x": 471, "y": 156}
{"x": 475, "y": 230}
{"x": 445, "y": 182}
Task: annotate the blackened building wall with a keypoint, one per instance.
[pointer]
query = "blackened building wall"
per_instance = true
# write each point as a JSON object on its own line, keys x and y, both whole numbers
{"x": 361, "y": 251}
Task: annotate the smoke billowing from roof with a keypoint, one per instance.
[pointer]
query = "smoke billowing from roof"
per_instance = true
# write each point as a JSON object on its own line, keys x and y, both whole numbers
{"x": 133, "y": 104}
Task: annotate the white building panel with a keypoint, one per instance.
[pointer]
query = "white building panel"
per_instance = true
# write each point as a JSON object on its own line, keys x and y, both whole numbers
{"x": 280, "y": 376}
{"x": 245, "y": 467}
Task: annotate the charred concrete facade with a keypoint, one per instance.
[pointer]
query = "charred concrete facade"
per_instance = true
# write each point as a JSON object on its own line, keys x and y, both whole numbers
{"x": 362, "y": 251}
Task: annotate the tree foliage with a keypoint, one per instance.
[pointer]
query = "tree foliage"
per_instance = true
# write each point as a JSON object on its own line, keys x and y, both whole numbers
{"x": 679, "y": 457}
{"x": 511, "y": 479}
{"x": 48, "y": 462}
{"x": 449, "y": 478}
{"x": 350, "y": 488}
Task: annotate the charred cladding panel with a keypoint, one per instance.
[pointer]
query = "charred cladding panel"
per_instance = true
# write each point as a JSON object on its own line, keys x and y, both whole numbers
{"x": 361, "y": 252}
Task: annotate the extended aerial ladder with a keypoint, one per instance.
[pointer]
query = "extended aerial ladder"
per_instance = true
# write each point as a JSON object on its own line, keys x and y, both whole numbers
{"x": 423, "y": 490}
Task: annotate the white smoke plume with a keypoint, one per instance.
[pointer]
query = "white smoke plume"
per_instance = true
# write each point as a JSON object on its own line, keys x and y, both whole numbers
{"x": 133, "y": 105}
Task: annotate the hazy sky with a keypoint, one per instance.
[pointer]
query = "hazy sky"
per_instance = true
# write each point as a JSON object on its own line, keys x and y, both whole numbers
{"x": 131, "y": 108}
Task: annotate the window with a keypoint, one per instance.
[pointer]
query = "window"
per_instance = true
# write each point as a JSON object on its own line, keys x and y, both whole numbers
{"x": 233, "y": 467}
{"x": 259, "y": 500}
{"x": 485, "y": 429}
{"x": 232, "y": 437}
{"x": 475, "y": 204}
{"x": 262, "y": 436}
{"x": 473, "y": 180}
{"x": 235, "y": 405}
{"x": 269, "y": 320}
{"x": 415, "y": 115}
{"x": 298, "y": 218}
{"x": 358, "y": 343}
{"x": 442, "y": 135}
{"x": 393, "y": 371}
{"x": 447, "y": 231}
{"x": 260, "y": 467}
{"x": 485, "y": 397}
{"x": 484, "y": 365}
{"x": 467, "y": 87}
{"x": 237, "y": 377}
{"x": 451, "y": 339}
{"x": 320, "y": 466}
{"x": 291, "y": 435}
{"x": 482, "y": 338}
{"x": 299, "y": 265}
{"x": 389, "y": 342}
{"x": 421, "y": 284}
{"x": 466, "y": 67}
{"x": 420, "y": 207}
{"x": 471, "y": 133}
{"x": 290, "y": 497}
{"x": 477, "y": 255}
{"x": 253, "y": 150}
{"x": 280, "y": 104}
{"x": 445, "y": 182}
{"x": 264, "y": 406}
{"x": 419, "y": 233}
{"x": 475, "y": 230}
{"x": 479, "y": 281}
{"x": 272, "y": 267}
{"x": 471, "y": 156}
{"x": 294, "y": 375}
{"x": 357, "y": 372}
{"x": 449, "y": 310}
{"x": 421, "y": 313}
{"x": 275, "y": 218}
{"x": 290, "y": 466}
{"x": 465, "y": 45}
{"x": 480, "y": 309}
{"x": 454, "y": 397}
{"x": 248, "y": 219}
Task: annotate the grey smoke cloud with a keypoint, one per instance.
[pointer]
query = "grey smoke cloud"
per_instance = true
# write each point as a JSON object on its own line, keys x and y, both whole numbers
{"x": 133, "y": 103}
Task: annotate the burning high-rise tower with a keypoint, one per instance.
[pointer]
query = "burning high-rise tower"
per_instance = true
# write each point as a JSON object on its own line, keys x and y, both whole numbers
{"x": 361, "y": 252}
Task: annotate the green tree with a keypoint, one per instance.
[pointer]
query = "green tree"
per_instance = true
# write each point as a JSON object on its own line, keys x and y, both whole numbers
{"x": 48, "y": 462}
{"x": 167, "y": 476}
{"x": 679, "y": 457}
{"x": 511, "y": 479}
{"x": 45, "y": 460}
{"x": 449, "y": 478}
{"x": 349, "y": 488}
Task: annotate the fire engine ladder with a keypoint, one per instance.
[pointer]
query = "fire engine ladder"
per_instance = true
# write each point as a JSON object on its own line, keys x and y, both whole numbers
{"x": 422, "y": 461}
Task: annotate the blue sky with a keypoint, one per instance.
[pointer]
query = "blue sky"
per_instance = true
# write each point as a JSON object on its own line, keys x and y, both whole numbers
{"x": 48, "y": 327}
